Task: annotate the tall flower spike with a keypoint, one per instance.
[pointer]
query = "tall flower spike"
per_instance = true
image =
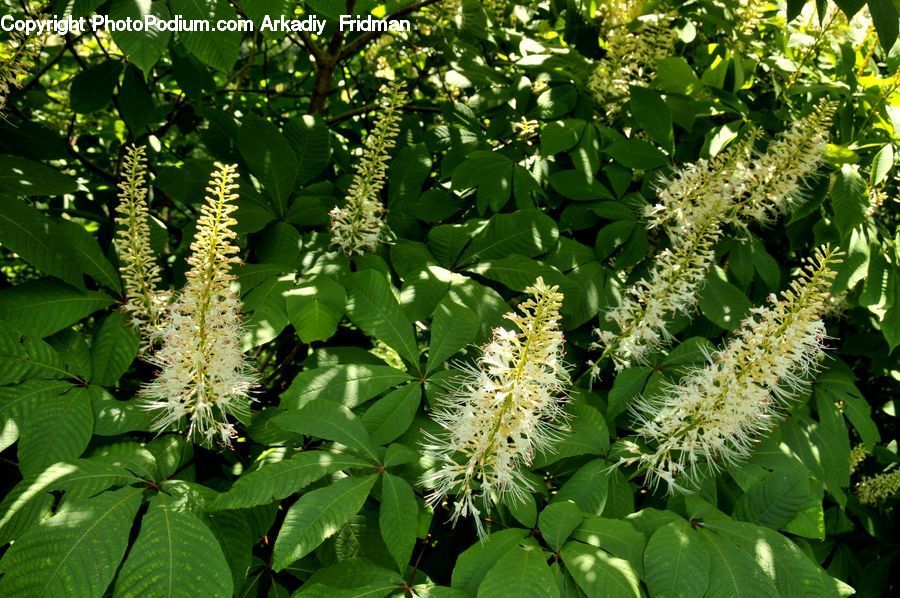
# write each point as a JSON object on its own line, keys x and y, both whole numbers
{"x": 776, "y": 178}
{"x": 203, "y": 373}
{"x": 144, "y": 300}
{"x": 691, "y": 208}
{"x": 509, "y": 406}
{"x": 357, "y": 227}
{"x": 16, "y": 57}
{"x": 875, "y": 489}
{"x": 630, "y": 60}
{"x": 715, "y": 415}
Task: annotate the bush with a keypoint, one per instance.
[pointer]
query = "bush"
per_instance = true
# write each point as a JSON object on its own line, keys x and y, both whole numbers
{"x": 563, "y": 298}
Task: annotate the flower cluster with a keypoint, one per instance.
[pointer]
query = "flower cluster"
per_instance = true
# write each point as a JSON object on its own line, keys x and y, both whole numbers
{"x": 630, "y": 60}
{"x": 618, "y": 13}
{"x": 203, "y": 373}
{"x": 695, "y": 205}
{"x": 875, "y": 489}
{"x": 713, "y": 417}
{"x": 509, "y": 406}
{"x": 16, "y": 56}
{"x": 776, "y": 178}
{"x": 858, "y": 454}
{"x": 144, "y": 301}
{"x": 358, "y": 226}
{"x": 692, "y": 203}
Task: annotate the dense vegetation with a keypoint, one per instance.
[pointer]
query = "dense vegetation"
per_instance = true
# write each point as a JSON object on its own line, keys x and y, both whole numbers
{"x": 557, "y": 298}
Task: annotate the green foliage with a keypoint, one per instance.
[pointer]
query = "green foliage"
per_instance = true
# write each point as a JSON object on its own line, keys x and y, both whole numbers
{"x": 505, "y": 170}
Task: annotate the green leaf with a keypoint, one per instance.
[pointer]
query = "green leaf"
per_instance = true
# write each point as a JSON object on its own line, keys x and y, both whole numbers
{"x": 26, "y": 178}
{"x": 274, "y": 481}
{"x": 885, "y": 17}
{"x": 849, "y": 200}
{"x": 93, "y": 87}
{"x": 173, "y": 555}
{"x": 598, "y": 573}
{"x": 408, "y": 171}
{"x": 587, "y": 487}
{"x": 30, "y": 500}
{"x": 723, "y": 303}
{"x": 311, "y": 140}
{"x": 628, "y": 385}
{"x": 217, "y": 49}
{"x": 38, "y": 240}
{"x": 491, "y": 173}
{"x": 42, "y": 307}
{"x": 317, "y": 516}
{"x": 388, "y": 418}
{"x": 58, "y": 431}
{"x": 18, "y": 401}
{"x": 676, "y": 562}
{"x": 270, "y": 158}
{"x": 776, "y": 499}
{"x": 315, "y": 308}
{"x": 398, "y": 519}
{"x": 75, "y": 552}
{"x": 475, "y": 562}
{"x": 636, "y": 154}
{"x": 526, "y": 232}
{"x": 557, "y": 522}
{"x": 733, "y": 573}
{"x": 617, "y": 537}
{"x": 560, "y": 136}
{"x": 652, "y": 115}
{"x": 882, "y": 164}
{"x": 24, "y": 358}
{"x": 792, "y": 571}
{"x": 349, "y": 384}
{"x": 331, "y": 421}
{"x": 454, "y": 326}
{"x": 374, "y": 308}
{"x": 578, "y": 185}
{"x": 587, "y": 435}
{"x": 520, "y": 572}
{"x": 143, "y": 48}
{"x": 90, "y": 256}
{"x": 114, "y": 348}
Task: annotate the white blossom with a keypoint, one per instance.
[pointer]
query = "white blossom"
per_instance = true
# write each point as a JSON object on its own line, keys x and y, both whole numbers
{"x": 358, "y": 226}
{"x": 509, "y": 406}
{"x": 713, "y": 417}
{"x": 203, "y": 374}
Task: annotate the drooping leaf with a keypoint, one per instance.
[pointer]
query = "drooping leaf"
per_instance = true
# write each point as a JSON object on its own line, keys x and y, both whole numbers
{"x": 398, "y": 518}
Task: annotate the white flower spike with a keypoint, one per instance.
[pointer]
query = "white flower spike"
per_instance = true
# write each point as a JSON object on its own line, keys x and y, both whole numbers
{"x": 203, "y": 373}
{"x": 713, "y": 417}
{"x": 144, "y": 301}
{"x": 358, "y": 226}
{"x": 509, "y": 406}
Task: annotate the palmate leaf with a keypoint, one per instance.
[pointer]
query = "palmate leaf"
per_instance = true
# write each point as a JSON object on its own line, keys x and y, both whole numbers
{"x": 331, "y": 421}
{"x": 520, "y": 572}
{"x": 42, "y": 307}
{"x": 58, "y": 430}
{"x": 23, "y": 357}
{"x": 398, "y": 518}
{"x": 31, "y": 497}
{"x": 115, "y": 346}
{"x": 454, "y": 326}
{"x": 318, "y": 515}
{"x": 76, "y": 551}
{"x": 598, "y": 573}
{"x": 676, "y": 561}
{"x": 733, "y": 573}
{"x": 18, "y": 401}
{"x": 473, "y": 564}
{"x": 175, "y": 554}
{"x": 348, "y": 384}
{"x": 275, "y": 481}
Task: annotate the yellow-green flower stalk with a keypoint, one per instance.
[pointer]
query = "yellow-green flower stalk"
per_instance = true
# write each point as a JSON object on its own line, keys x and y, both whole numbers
{"x": 203, "y": 375}
{"x": 716, "y": 414}
{"x": 358, "y": 226}
{"x": 858, "y": 454}
{"x": 16, "y": 57}
{"x": 509, "y": 406}
{"x": 875, "y": 489}
{"x": 630, "y": 60}
{"x": 618, "y": 13}
{"x": 144, "y": 300}
{"x": 777, "y": 177}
